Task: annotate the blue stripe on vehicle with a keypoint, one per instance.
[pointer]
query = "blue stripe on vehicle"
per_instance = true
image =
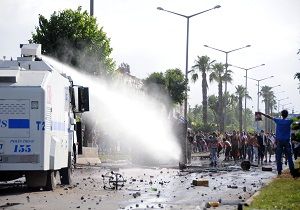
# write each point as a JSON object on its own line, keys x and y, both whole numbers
{"x": 18, "y": 123}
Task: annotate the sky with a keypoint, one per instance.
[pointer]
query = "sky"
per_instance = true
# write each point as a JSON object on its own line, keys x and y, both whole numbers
{"x": 150, "y": 40}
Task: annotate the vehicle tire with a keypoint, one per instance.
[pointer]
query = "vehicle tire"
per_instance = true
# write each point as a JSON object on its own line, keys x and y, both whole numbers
{"x": 51, "y": 180}
{"x": 65, "y": 176}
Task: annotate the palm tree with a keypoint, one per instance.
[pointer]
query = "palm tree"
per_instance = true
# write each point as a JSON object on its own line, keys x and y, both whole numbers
{"x": 241, "y": 93}
{"x": 202, "y": 66}
{"x": 268, "y": 97}
{"x": 213, "y": 105}
{"x": 272, "y": 105}
{"x": 218, "y": 75}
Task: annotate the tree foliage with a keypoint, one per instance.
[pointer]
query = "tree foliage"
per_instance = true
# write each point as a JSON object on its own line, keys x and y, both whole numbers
{"x": 219, "y": 75}
{"x": 172, "y": 83}
{"x": 202, "y": 67}
{"x": 73, "y": 37}
{"x": 241, "y": 93}
{"x": 176, "y": 85}
{"x": 124, "y": 68}
{"x": 270, "y": 102}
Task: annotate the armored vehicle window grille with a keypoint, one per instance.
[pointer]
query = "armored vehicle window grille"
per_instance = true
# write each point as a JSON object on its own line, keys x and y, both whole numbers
{"x": 12, "y": 108}
{"x": 48, "y": 118}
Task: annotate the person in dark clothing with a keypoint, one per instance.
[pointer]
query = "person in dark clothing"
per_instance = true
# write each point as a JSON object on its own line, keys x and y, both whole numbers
{"x": 283, "y": 141}
{"x": 235, "y": 141}
{"x": 261, "y": 148}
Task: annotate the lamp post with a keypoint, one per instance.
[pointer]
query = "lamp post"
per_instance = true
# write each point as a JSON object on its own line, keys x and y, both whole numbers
{"x": 275, "y": 86}
{"x": 279, "y": 101}
{"x": 226, "y": 67}
{"x": 187, "y": 61}
{"x": 246, "y": 69}
{"x": 258, "y": 81}
{"x": 269, "y": 123}
{"x": 91, "y": 7}
{"x": 279, "y": 92}
{"x": 283, "y": 105}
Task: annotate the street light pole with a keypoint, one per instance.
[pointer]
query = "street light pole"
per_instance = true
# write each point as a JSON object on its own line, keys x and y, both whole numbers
{"x": 186, "y": 62}
{"x": 283, "y": 105}
{"x": 91, "y": 7}
{"x": 275, "y": 86}
{"x": 226, "y": 66}
{"x": 246, "y": 90}
{"x": 279, "y": 101}
{"x": 258, "y": 81}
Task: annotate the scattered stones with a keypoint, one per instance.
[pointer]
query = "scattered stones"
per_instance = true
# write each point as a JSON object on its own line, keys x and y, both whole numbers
{"x": 200, "y": 183}
{"x": 266, "y": 168}
{"x": 232, "y": 186}
{"x": 136, "y": 194}
{"x": 213, "y": 204}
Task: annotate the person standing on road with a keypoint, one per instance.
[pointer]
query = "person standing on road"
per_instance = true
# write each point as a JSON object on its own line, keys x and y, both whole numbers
{"x": 213, "y": 146}
{"x": 283, "y": 141}
{"x": 261, "y": 148}
{"x": 249, "y": 143}
{"x": 235, "y": 141}
{"x": 243, "y": 150}
{"x": 227, "y": 148}
{"x": 269, "y": 147}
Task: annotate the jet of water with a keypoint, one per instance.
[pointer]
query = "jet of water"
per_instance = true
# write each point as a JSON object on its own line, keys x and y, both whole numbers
{"x": 133, "y": 117}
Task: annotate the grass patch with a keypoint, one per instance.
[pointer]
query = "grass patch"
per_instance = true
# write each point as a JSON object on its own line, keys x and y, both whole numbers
{"x": 282, "y": 193}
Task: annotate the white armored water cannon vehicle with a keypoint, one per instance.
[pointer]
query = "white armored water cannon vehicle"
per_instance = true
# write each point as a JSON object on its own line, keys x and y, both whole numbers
{"x": 37, "y": 120}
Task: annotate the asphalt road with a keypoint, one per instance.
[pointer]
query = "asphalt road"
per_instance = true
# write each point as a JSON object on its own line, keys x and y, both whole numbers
{"x": 145, "y": 188}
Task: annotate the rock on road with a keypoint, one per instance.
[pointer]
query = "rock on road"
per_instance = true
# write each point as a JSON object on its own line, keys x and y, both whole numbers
{"x": 145, "y": 188}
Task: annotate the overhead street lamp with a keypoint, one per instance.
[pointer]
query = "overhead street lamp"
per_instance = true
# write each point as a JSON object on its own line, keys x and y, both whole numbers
{"x": 275, "y": 86}
{"x": 226, "y": 66}
{"x": 279, "y": 101}
{"x": 187, "y": 59}
{"x": 258, "y": 81}
{"x": 283, "y": 105}
{"x": 279, "y": 92}
{"x": 226, "y": 61}
{"x": 246, "y": 69}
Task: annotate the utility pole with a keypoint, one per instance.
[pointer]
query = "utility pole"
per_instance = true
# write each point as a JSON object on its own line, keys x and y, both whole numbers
{"x": 91, "y": 7}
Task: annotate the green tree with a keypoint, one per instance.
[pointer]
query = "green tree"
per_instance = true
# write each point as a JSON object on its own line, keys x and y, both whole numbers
{"x": 155, "y": 86}
{"x": 213, "y": 104}
{"x": 268, "y": 98}
{"x": 73, "y": 37}
{"x": 232, "y": 111}
{"x": 241, "y": 93}
{"x": 202, "y": 67}
{"x": 176, "y": 85}
{"x": 218, "y": 75}
{"x": 124, "y": 68}
{"x": 171, "y": 83}
{"x": 297, "y": 75}
{"x": 195, "y": 116}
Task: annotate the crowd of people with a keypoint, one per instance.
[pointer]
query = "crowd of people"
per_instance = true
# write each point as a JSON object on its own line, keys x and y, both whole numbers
{"x": 256, "y": 147}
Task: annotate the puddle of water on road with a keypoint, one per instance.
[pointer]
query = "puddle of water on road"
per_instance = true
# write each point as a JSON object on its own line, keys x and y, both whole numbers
{"x": 127, "y": 115}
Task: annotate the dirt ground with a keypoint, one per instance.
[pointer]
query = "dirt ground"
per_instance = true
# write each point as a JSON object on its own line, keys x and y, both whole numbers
{"x": 163, "y": 187}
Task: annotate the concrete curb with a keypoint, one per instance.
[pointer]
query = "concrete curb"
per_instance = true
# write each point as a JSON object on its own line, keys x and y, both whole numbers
{"x": 249, "y": 201}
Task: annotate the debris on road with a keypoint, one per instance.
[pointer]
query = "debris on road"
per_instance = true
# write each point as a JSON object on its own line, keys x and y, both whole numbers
{"x": 200, "y": 183}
